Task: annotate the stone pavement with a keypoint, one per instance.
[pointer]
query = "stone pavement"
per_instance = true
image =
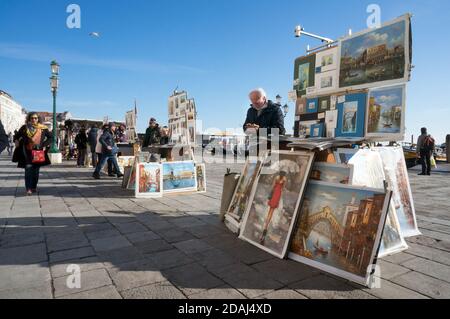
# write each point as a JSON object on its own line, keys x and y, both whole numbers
{"x": 175, "y": 247}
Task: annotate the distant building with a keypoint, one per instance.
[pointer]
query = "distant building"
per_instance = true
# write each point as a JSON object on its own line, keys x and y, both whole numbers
{"x": 182, "y": 119}
{"x": 12, "y": 114}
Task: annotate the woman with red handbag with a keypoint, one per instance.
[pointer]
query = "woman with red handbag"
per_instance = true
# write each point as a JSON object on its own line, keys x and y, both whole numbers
{"x": 32, "y": 143}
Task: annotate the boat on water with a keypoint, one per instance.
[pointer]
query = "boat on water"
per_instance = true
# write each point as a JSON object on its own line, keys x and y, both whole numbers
{"x": 320, "y": 250}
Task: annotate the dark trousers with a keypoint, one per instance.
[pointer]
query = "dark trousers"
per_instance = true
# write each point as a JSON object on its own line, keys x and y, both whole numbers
{"x": 31, "y": 176}
{"x": 425, "y": 159}
{"x": 94, "y": 159}
{"x": 110, "y": 164}
{"x": 107, "y": 158}
{"x": 81, "y": 157}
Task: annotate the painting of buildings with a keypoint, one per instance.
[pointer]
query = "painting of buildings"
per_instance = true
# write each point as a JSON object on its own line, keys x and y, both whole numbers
{"x": 386, "y": 113}
{"x": 332, "y": 173}
{"x": 375, "y": 56}
{"x": 339, "y": 229}
{"x": 179, "y": 177}
{"x": 274, "y": 202}
{"x": 397, "y": 176}
{"x": 148, "y": 182}
{"x": 241, "y": 197}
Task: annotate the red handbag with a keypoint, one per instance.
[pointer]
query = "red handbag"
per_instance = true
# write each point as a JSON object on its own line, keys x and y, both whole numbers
{"x": 37, "y": 157}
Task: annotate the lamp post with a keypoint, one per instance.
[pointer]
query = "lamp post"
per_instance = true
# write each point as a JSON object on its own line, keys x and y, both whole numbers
{"x": 54, "y": 83}
{"x": 285, "y": 107}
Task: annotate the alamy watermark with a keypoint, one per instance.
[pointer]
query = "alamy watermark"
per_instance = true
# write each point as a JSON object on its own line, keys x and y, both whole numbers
{"x": 74, "y": 19}
{"x": 74, "y": 279}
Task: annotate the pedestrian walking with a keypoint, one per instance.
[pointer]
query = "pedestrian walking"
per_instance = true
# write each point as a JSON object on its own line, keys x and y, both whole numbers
{"x": 10, "y": 143}
{"x": 3, "y": 138}
{"x": 33, "y": 141}
{"x": 109, "y": 151}
{"x": 92, "y": 141}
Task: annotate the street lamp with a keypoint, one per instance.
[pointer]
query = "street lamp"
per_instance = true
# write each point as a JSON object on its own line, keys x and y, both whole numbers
{"x": 299, "y": 31}
{"x": 285, "y": 107}
{"x": 54, "y": 83}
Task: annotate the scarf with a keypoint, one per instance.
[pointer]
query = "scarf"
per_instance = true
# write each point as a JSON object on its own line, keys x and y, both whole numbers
{"x": 32, "y": 129}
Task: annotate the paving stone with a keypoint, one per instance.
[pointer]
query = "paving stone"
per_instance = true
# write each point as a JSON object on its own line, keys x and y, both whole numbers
{"x": 424, "y": 284}
{"x": 129, "y": 228}
{"x": 174, "y": 235}
{"x": 119, "y": 256}
{"x": 89, "y": 280}
{"x": 222, "y": 292}
{"x": 283, "y": 294}
{"x": 110, "y": 243}
{"x": 71, "y": 254}
{"x": 430, "y": 268}
{"x": 70, "y": 242}
{"x": 140, "y": 237}
{"x": 107, "y": 233}
{"x": 192, "y": 246}
{"x": 9, "y": 241}
{"x": 170, "y": 259}
{"x": 213, "y": 258}
{"x": 86, "y": 264}
{"x": 398, "y": 258}
{"x": 129, "y": 279}
{"x": 433, "y": 254}
{"x": 22, "y": 277}
{"x": 187, "y": 222}
{"x": 23, "y": 255}
{"x": 389, "y": 270}
{"x": 40, "y": 291}
{"x": 192, "y": 278}
{"x": 108, "y": 292}
{"x": 153, "y": 246}
{"x": 389, "y": 290}
{"x": 161, "y": 290}
{"x": 285, "y": 271}
{"x": 204, "y": 231}
{"x": 325, "y": 287}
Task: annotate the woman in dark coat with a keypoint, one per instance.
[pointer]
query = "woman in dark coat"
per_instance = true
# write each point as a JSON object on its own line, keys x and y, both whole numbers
{"x": 31, "y": 136}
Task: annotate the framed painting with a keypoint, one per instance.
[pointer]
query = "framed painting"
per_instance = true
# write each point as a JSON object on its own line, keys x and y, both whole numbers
{"x": 201, "y": 178}
{"x": 376, "y": 57}
{"x": 327, "y": 60}
{"x": 125, "y": 161}
{"x": 304, "y": 73}
{"x": 324, "y": 103}
{"x": 386, "y": 113}
{"x": 397, "y": 177}
{"x": 276, "y": 196}
{"x": 312, "y": 105}
{"x": 148, "y": 180}
{"x": 317, "y": 130}
{"x": 344, "y": 155}
{"x": 332, "y": 173}
{"x": 241, "y": 196}
{"x": 351, "y": 115}
{"x": 339, "y": 229}
{"x": 132, "y": 180}
{"x": 179, "y": 177}
{"x": 368, "y": 172}
{"x": 300, "y": 106}
{"x": 304, "y": 128}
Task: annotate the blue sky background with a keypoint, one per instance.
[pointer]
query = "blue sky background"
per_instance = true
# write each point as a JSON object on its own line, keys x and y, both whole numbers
{"x": 216, "y": 49}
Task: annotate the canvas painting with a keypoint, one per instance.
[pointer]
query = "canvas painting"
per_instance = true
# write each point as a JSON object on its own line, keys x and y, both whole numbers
{"x": 324, "y": 103}
{"x": 132, "y": 180}
{"x": 327, "y": 60}
{"x": 344, "y": 155}
{"x": 304, "y": 128}
{"x": 241, "y": 196}
{"x": 148, "y": 181}
{"x": 351, "y": 115}
{"x": 386, "y": 113}
{"x": 179, "y": 177}
{"x": 273, "y": 207}
{"x": 397, "y": 176}
{"x": 332, "y": 173}
{"x": 312, "y": 105}
{"x": 339, "y": 229}
{"x": 201, "y": 178}
{"x": 376, "y": 57}
{"x": 304, "y": 73}
{"x": 368, "y": 171}
{"x": 317, "y": 130}
{"x": 300, "y": 106}
{"x": 125, "y": 161}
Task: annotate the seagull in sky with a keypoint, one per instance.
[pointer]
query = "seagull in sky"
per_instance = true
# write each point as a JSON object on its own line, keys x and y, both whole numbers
{"x": 95, "y": 34}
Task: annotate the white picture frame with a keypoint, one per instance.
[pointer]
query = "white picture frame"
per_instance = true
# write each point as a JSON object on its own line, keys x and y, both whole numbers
{"x": 189, "y": 189}
{"x": 153, "y": 167}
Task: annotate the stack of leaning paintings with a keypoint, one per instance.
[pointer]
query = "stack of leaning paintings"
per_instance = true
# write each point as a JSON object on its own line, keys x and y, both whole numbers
{"x": 339, "y": 216}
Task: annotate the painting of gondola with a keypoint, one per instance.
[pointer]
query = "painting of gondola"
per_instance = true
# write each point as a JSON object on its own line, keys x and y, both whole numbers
{"x": 376, "y": 57}
{"x": 386, "y": 113}
{"x": 179, "y": 177}
{"x": 276, "y": 196}
{"x": 339, "y": 229}
{"x": 148, "y": 180}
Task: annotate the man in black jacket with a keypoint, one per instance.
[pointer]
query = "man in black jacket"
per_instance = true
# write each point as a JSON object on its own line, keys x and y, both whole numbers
{"x": 263, "y": 113}
{"x": 152, "y": 134}
{"x": 92, "y": 140}
{"x": 109, "y": 151}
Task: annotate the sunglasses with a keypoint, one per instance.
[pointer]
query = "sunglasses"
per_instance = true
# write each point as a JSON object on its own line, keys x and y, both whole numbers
{"x": 35, "y": 118}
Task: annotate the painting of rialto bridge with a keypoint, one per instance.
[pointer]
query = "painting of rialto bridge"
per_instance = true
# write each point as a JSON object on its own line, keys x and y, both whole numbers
{"x": 338, "y": 226}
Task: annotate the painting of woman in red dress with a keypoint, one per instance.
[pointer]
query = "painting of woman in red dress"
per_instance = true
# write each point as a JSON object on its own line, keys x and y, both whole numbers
{"x": 278, "y": 186}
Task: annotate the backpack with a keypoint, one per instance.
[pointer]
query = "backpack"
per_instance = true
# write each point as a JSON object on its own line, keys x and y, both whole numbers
{"x": 429, "y": 143}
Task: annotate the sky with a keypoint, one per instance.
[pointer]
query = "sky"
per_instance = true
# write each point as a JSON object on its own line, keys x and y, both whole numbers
{"x": 217, "y": 50}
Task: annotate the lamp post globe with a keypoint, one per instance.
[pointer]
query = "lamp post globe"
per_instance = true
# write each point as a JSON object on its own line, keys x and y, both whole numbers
{"x": 54, "y": 83}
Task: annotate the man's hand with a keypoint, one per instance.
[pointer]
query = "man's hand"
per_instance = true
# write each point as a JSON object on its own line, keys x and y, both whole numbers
{"x": 109, "y": 148}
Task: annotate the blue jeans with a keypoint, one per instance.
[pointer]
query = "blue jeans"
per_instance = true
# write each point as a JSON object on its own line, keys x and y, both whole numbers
{"x": 104, "y": 159}
{"x": 31, "y": 176}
